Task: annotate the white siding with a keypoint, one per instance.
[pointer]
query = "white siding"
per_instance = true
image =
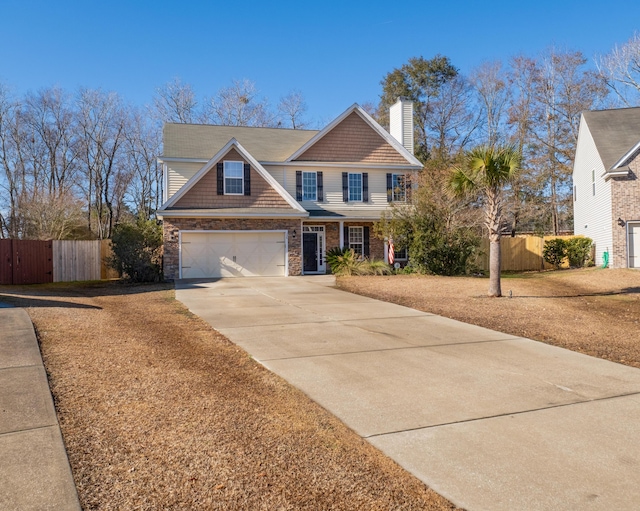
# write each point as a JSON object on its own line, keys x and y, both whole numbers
{"x": 178, "y": 173}
{"x": 332, "y": 185}
{"x": 592, "y": 214}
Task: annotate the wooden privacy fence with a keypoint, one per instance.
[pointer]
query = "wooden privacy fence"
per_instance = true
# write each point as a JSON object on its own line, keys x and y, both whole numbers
{"x": 39, "y": 262}
{"x": 521, "y": 253}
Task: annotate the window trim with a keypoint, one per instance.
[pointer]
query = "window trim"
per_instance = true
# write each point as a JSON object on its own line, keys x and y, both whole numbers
{"x": 404, "y": 188}
{"x": 361, "y": 199}
{"x": 315, "y": 190}
{"x": 224, "y": 176}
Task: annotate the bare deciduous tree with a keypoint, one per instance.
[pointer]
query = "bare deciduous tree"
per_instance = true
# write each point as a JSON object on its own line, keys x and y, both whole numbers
{"x": 620, "y": 68}
{"x": 176, "y": 102}
{"x": 142, "y": 146}
{"x": 102, "y": 124}
{"x": 292, "y": 107}
{"x": 494, "y": 94}
{"x": 240, "y": 105}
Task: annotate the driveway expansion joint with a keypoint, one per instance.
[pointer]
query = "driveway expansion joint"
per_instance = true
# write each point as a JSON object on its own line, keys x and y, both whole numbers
{"x": 26, "y": 430}
{"x": 497, "y": 416}
{"x": 382, "y": 350}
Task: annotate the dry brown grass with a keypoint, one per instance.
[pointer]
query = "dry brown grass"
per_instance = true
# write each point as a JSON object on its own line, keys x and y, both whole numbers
{"x": 159, "y": 411}
{"x": 592, "y": 311}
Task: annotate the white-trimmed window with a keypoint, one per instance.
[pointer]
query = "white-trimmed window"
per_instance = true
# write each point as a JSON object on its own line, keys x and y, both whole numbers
{"x": 355, "y": 188}
{"x": 233, "y": 178}
{"x": 399, "y": 192}
{"x": 356, "y": 240}
{"x": 400, "y": 254}
{"x": 309, "y": 186}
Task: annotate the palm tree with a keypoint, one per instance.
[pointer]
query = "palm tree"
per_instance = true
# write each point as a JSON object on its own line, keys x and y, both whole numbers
{"x": 486, "y": 171}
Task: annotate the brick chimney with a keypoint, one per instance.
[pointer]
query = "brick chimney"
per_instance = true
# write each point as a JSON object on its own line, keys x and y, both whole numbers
{"x": 401, "y": 122}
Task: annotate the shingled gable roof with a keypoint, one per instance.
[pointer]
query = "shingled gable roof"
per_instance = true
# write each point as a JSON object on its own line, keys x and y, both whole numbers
{"x": 616, "y": 134}
{"x": 202, "y": 141}
{"x": 410, "y": 158}
{"x": 233, "y": 143}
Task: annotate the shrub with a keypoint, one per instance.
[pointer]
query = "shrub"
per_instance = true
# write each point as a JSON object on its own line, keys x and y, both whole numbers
{"x": 343, "y": 261}
{"x": 555, "y": 251}
{"x": 374, "y": 267}
{"x": 137, "y": 251}
{"x": 578, "y": 251}
{"x": 443, "y": 252}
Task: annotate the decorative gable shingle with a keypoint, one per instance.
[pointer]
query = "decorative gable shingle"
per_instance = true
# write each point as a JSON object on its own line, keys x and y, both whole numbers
{"x": 204, "y": 194}
{"x": 352, "y": 140}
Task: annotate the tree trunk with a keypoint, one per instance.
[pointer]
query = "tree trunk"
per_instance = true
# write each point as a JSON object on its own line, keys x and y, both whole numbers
{"x": 493, "y": 213}
{"x": 494, "y": 268}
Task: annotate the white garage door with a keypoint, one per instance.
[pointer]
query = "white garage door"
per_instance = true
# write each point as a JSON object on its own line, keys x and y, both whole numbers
{"x": 232, "y": 254}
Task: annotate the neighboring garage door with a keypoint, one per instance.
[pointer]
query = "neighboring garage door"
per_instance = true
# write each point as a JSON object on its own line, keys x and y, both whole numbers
{"x": 232, "y": 254}
{"x": 634, "y": 245}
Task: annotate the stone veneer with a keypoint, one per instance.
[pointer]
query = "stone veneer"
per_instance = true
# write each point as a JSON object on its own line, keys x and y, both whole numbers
{"x": 171, "y": 227}
{"x": 625, "y": 204}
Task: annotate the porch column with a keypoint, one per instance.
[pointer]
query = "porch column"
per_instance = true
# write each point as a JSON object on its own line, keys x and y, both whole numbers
{"x": 341, "y": 228}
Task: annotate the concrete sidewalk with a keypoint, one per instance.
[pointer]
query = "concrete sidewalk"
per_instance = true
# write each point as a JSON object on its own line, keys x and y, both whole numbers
{"x": 490, "y": 421}
{"x": 34, "y": 468}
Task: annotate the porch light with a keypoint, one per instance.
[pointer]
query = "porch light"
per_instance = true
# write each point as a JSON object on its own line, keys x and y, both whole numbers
{"x": 620, "y": 222}
{"x": 293, "y": 234}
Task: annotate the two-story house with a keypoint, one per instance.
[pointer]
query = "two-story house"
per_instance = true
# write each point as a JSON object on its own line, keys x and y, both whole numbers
{"x": 606, "y": 188}
{"x": 243, "y": 201}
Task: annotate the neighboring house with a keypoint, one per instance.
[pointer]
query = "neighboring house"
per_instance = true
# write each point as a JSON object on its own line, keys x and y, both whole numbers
{"x": 606, "y": 189}
{"x": 243, "y": 201}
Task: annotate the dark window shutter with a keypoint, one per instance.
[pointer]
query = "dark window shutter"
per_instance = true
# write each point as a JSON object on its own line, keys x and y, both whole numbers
{"x": 345, "y": 186}
{"x": 389, "y": 187}
{"x": 365, "y": 187}
{"x": 247, "y": 179}
{"x": 320, "y": 187}
{"x": 298, "y": 185}
{"x": 345, "y": 235}
{"x": 365, "y": 241}
{"x": 220, "y": 180}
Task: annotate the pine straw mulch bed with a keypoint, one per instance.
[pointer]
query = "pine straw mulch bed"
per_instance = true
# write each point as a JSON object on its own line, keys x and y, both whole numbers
{"x": 593, "y": 311}
{"x": 159, "y": 411}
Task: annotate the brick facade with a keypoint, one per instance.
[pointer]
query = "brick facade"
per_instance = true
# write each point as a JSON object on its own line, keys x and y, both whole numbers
{"x": 332, "y": 237}
{"x": 353, "y": 140}
{"x": 171, "y": 227}
{"x": 204, "y": 194}
{"x": 625, "y": 204}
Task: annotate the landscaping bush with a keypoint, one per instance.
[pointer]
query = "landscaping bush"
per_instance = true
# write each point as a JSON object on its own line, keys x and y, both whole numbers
{"x": 374, "y": 267}
{"x": 137, "y": 251}
{"x": 578, "y": 251}
{"x": 443, "y": 252}
{"x": 343, "y": 261}
{"x": 555, "y": 251}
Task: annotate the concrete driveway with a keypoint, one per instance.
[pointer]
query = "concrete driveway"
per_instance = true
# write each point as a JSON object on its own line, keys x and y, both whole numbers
{"x": 489, "y": 420}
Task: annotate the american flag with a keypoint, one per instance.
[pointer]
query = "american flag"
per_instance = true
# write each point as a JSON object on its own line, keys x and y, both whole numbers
{"x": 392, "y": 255}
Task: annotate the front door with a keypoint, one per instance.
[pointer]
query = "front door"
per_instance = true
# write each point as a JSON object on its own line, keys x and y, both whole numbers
{"x": 310, "y": 252}
{"x": 313, "y": 249}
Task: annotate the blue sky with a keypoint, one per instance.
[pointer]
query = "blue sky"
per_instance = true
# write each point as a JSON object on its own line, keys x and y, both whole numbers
{"x": 334, "y": 52}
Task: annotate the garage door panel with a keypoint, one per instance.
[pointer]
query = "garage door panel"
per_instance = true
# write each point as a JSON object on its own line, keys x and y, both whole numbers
{"x": 214, "y": 255}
